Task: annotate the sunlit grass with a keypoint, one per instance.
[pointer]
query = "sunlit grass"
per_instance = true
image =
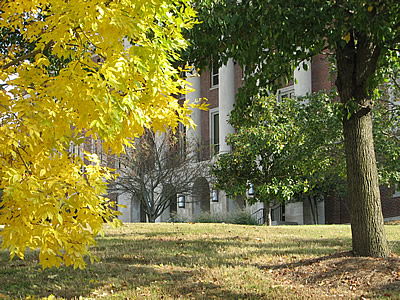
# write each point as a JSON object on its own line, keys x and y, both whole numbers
{"x": 153, "y": 261}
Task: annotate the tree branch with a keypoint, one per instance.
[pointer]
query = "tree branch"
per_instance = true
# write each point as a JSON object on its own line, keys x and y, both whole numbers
{"x": 27, "y": 55}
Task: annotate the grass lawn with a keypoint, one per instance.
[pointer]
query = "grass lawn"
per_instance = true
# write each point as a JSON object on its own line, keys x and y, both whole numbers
{"x": 206, "y": 261}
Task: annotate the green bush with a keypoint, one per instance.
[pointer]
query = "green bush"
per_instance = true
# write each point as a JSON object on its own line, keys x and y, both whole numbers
{"x": 207, "y": 217}
{"x": 241, "y": 216}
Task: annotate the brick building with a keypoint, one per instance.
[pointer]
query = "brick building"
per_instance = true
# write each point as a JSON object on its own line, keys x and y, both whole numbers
{"x": 219, "y": 86}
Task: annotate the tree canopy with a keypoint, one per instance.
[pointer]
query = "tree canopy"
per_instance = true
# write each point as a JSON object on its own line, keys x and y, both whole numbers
{"x": 271, "y": 38}
{"x": 285, "y": 148}
{"x": 72, "y": 70}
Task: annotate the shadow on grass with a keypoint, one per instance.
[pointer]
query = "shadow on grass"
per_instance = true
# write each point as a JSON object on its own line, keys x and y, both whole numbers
{"x": 165, "y": 262}
{"x": 344, "y": 273}
{"x": 212, "y": 252}
{"x": 95, "y": 281}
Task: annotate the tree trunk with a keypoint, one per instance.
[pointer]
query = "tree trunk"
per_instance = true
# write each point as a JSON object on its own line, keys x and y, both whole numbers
{"x": 313, "y": 209}
{"x": 267, "y": 216}
{"x": 356, "y": 64}
{"x": 151, "y": 219}
{"x": 368, "y": 233}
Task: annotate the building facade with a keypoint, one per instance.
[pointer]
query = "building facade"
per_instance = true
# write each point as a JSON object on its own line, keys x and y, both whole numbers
{"x": 219, "y": 87}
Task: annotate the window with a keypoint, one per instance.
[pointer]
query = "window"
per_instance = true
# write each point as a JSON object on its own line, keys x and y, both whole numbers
{"x": 215, "y": 197}
{"x": 287, "y": 92}
{"x": 182, "y": 139}
{"x": 214, "y": 131}
{"x": 214, "y": 75}
{"x": 76, "y": 150}
{"x": 396, "y": 190}
{"x": 181, "y": 201}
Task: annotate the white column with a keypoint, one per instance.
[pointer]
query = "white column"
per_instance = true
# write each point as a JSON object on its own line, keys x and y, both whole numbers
{"x": 194, "y": 80}
{"x": 303, "y": 83}
{"x": 226, "y": 95}
{"x": 125, "y": 199}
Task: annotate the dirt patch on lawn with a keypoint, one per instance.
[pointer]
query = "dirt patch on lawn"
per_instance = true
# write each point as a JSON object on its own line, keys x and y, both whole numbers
{"x": 341, "y": 276}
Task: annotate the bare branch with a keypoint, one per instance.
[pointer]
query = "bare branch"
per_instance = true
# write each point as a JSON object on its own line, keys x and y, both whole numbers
{"x": 156, "y": 171}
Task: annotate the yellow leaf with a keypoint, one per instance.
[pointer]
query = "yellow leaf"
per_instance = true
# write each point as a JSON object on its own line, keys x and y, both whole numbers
{"x": 43, "y": 61}
{"x": 60, "y": 218}
{"x": 110, "y": 93}
{"x": 347, "y": 37}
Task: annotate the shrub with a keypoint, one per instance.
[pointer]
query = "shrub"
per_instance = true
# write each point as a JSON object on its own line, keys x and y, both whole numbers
{"x": 175, "y": 218}
{"x": 241, "y": 216}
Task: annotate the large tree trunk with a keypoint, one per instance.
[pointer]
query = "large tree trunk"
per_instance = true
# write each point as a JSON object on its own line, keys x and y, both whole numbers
{"x": 356, "y": 63}
{"x": 362, "y": 178}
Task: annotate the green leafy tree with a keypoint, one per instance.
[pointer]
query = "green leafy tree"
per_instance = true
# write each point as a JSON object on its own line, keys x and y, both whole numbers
{"x": 272, "y": 37}
{"x": 387, "y": 142}
{"x": 283, "y": 149}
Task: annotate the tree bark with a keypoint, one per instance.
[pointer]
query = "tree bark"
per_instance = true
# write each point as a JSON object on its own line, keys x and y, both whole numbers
{"x": 151, "y": 219}
{"x": 267, "y": 216}
{"x": 367, "y": 224}
{"x": 356, "y": 63}
{"x": 313, "y": 208}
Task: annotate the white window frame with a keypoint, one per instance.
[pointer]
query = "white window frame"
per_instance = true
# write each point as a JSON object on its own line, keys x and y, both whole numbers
{"x": 76, "y": 150}
{"x": 214, "y": 74}
{"x": 212, "y": 113}
{"x": 283, "y": 92}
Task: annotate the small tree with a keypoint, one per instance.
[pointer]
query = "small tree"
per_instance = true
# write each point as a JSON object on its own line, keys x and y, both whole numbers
{"x": 159, "y": 168}
{"x": 281, "y": 149}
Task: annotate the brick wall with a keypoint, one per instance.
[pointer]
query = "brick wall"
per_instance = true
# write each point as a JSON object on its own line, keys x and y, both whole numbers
{"x": 238, "y": 77}
{"x": 336, "y": 208}
{"x": 390, "y": 205}
{"x": 320, "y": 74}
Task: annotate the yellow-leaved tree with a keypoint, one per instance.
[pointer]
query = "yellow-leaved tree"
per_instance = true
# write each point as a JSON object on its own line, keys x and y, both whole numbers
{"x": 69, "y": 70}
